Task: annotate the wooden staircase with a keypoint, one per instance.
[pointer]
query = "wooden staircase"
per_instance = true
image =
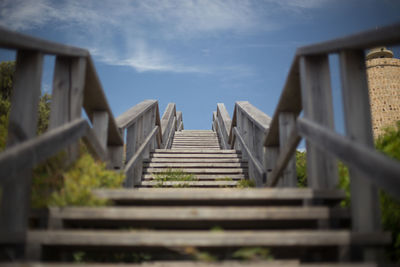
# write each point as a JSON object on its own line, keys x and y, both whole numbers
{"x": 197, "y": 153}
{"x": 202, "y": 226}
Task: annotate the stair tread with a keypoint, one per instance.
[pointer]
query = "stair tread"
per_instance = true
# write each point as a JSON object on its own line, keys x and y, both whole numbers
{"x": 191, "y": 155}
{"x": 197, "y": 213}
{"x": 228, "y": 238}
{"x": 196, "y": 160}
{"x": 200, "y": 170}
{"x": 215, "y": 183}
{"x": 191, "y": 151}
{"x": 182, "y": 165}
{"x": 205, "y": 176}
{"x": 220, "y": 194}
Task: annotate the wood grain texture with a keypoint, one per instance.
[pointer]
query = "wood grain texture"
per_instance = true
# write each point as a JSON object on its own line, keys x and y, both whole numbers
{"x": 100, "y": 127}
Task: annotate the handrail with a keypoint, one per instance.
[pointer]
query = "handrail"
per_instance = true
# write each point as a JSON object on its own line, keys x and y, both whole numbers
{"x": 139, "y": 153}
{"x": 258, "y": 166}
{"x": 30, "y": 153}
{"x": 372, "y": 164}
{"x": 223, "y": 125}
{"x": 169, "y": 125}
{"x": 13, "y": 40}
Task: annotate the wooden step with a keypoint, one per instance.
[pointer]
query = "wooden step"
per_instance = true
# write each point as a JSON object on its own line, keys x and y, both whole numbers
{"x": 220, "y": 196}
{"x": 226, "y": 171}
{"x": 196, "y": 155}
{"x": 227, "y": 263}
{"x": 185, "y": 184}
{"x": 195, "y": 217}
{"x": 197, "y": 160}
{"x": 199, "y": 151}
{"x": 210, "y": 239}
{"x": 182, "y": 165}
{"x": 206, "y": 176}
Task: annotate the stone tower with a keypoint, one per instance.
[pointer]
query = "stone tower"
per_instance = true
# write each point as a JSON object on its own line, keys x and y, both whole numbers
{"x": 383, "y": 71}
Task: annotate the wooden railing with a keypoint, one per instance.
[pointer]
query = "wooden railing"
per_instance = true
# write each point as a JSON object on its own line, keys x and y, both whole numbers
{"x": 245, "y": 133}
{"x": 75, "y": 86}
{"x": 308, "y": 89}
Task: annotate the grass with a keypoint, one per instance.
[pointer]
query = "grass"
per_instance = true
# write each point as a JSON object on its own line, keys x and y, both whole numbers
{"x": 245, "y": 183}
{"x": 176, "y": 175}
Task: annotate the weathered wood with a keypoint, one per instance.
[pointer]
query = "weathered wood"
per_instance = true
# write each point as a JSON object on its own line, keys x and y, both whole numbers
{"x": 287, "y": 124}
{"x": 289, "y": 101}
{"x": 198, "y": 170}
{"x": 205, "y": 239}
{"x": 359, "y": 130}
{"x": 372, "y": 164}
{"x": 195, "y": 155}
{"x": 271, "y": 154}
{"x": 317, "y": 105}
{"x": 283, "y": 158}
{"x": 100, "y": 126}
{"x": 194, "y": 165}
{"x": 138, "y": 154}
{"x": 258, "y": 117}
{"x": 389, "y": 35}
{"x": 15, "y": 197}
{"x": 94, "y": 146}
{"x": 167, "y": 124}
{"x": 130, "y": 116}
{"x": 202, "y": 151}
{"x": 95, "y": 99}
{"x": 115, "y": 157}
{"x": 225, "y": 123}
{"x": 185, "y": 184}
{"x": 13, "y": 40}
{"x": 206, "y": 176}
{"x": 258, "y": 166}
{"x": 196, "y": 213}
{"x": 29, "y": 153}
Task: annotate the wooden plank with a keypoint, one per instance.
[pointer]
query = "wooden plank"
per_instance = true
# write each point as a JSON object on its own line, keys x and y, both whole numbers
{"x": 186, "y": 184}
{"x": 94, "y": 146}
{"x": 283, "y": 158}
{"x": 222, "y": 194}
{"x": 202, "y": 151}
{"x": 206, "y": 176}
{"x": 270, "y": 158}
{"x": 317, "y": 105}
{"x": 224, "y": 121}
{"x": 198, "y": 170}
{"x": 13, "y": 40}
{"x": 194, "y": 165}
{"x": 100, "y": 126}
{"x": 289, "y": 101}
{"x": 95, "y": 99}
{"x": 287, "y": 124}
{"x": 29, "y": 153}
{"x": 130, "y": 116}
{"x": 388, "y": 35}
{"x": 258, "y": 117}
{"x": 195, "y": 156}
{"x": 166, "y": 123}
{"x": 377, "y": 167}
{"x": 359, "y": 129}
{"x": 196, "y": 213}
{"x": 115, "y": 156}
{"x": 138, "y": 154}
{"x": 258, "y": 167}
{"x": 131, "y": 148}
{"x": 15, "y": 197}
{"x": 205, "y": 238}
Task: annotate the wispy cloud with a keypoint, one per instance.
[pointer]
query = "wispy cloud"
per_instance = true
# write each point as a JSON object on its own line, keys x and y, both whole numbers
{"x": 130, "y": 33}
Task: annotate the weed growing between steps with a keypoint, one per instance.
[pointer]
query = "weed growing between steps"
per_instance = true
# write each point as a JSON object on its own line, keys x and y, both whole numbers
{"x": 56, "y": 185}
{"x": 175, "y": 175}
{"x": 245, "y": 183}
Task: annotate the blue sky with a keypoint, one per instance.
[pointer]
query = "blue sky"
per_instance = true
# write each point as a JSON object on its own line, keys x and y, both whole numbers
{"x": 193, "y": 53}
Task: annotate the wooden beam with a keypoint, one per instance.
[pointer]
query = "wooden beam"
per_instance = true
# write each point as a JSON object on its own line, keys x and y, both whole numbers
{"x": 359, "y": 130}
{"x": 258, "y": 117}
{"x": 287, "y": 125}
{"x": 284, "y": 157}
{"x": 130, "y": 116}
{"x": 96, "y": 149}
{"x": 13, "y": 40}
{"x": 376, "y": 167}
{"x": 100, "y": 127}
{"x": 15, "y": 198}
{"x": 318, "y": 107}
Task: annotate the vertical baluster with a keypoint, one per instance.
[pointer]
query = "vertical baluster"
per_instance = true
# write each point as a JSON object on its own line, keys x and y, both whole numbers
{"x": 138, "y": 140}
{"x": 131, "y": 147}
{"x": 100, "y": 127}
{"x": 271, "y": 154}
{"x": 359, "y": 128}
{"x": 67, "y": 95}
{"x": 287, "y": 123}
{"x": 318, "y": 107}
{"x": 15, "y": 200}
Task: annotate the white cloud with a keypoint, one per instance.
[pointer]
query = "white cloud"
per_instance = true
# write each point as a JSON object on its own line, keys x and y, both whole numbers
{"x": 129, "y": 33}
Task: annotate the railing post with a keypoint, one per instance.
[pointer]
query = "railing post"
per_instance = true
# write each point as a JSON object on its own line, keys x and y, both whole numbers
{"x": 15, "y": 199}
{"x": 100, "y": 127}
{"x": 67, "y": 95}
{"x": 287, "y": 122}
{"x": 359, "y": 128}
{"x": 317, "y": 105}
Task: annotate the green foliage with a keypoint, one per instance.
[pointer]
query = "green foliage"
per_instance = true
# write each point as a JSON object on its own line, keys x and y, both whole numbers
{"x": 301, "y": 168}
{"x": 229, "y": 179}
{"x": 199, "y": 255}
{"x": 245, "y": 183}
{"x": 44, "y": 113}
{"x": 79, "y": 181}
{"x": 116, "y": 257}
{"x": 7, "y": 70}
{"x": 216, "y": 228}
{"x": 177, "y": 175}
{"x": 253, "y": 253}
